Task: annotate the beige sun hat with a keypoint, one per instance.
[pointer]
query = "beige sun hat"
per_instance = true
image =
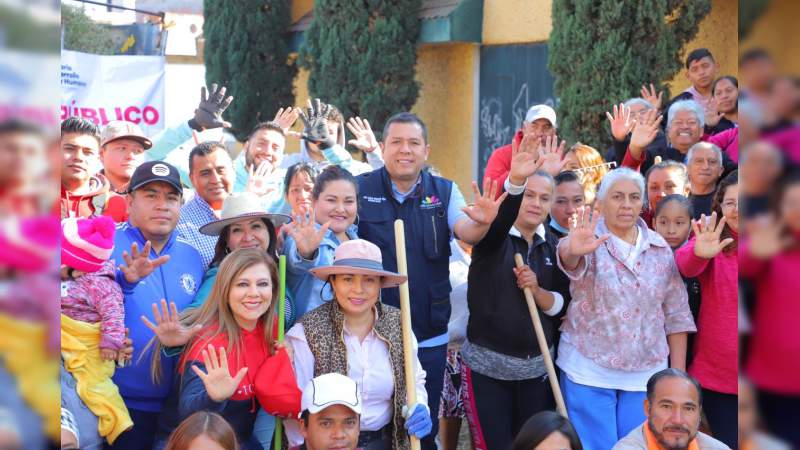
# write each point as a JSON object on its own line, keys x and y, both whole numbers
{"x": 359, "y": 257}
{"x": 239, "y": 206}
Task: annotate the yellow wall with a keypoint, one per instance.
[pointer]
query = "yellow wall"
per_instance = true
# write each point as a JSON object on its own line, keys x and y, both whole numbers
{"x": 300, "y": 8}
{"x": 447, "y": 74}
{"x": 777, "y": 32}
{"x": 718, "y": 33}
{"x": 516, "y": 21}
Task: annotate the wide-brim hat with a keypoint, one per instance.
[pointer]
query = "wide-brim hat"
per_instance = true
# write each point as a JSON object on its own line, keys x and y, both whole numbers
{"x": 241, "y": 206}
{"x": 359, "y": 257}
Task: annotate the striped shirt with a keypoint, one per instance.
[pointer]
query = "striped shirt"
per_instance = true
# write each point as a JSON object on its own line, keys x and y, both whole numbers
{"x": 194, "y": 214}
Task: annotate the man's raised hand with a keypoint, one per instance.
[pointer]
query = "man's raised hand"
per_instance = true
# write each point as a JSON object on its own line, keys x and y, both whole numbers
{"x": 139, "y": 265}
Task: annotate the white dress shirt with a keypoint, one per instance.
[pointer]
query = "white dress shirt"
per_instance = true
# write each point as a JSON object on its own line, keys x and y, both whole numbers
{"x": 368, "y": 364}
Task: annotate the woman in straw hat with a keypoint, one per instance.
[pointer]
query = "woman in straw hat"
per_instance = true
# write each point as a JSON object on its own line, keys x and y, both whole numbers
{"x": 358, "y": 336}
{"x": 242, "y": 224}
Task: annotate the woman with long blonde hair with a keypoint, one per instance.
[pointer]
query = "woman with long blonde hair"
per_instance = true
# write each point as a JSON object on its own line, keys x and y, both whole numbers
{"x": 590, "y": 166}
{"x": 234, "y": 338}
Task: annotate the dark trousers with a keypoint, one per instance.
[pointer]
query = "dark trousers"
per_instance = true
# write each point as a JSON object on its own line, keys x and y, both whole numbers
{"x": 781, "y": 416}
{"x": 504, "y": 406}
{"x": 433, "y": 361}
{"x": 141, "y": 436}
{"x": 722, "y": 412}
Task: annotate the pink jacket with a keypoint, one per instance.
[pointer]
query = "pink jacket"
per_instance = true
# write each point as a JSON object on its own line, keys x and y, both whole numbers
{"x": 728, "y": 141}
{"x": 620, "y": 318}
{"x": 96, "y": 297}
{"x": 716, "y": 345}
{"x": 774, "y": 359}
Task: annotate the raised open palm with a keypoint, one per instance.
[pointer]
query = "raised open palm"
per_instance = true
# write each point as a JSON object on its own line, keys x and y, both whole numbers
{"x": 767, "y": 237}
{"x": 552, "y": 155}
{"x": 582, "y": 238}
{"x": 219, "y": 383}
{"x": 707, "y": 236}
{"x": 651, "y": 96}
{"x": 305, "y": 233}
{"x": 286, "y": 117}
{"x": 523, "y": 165}
{"x": 168, "y": 327}
{"x": 364, "y": 137}
{"x": 620, "y": 121}
{"x": 258, "y": 179}
{"x": 138, "y": 265}
{"x": 485, "y": 208}
{"x": 644, "y": 132}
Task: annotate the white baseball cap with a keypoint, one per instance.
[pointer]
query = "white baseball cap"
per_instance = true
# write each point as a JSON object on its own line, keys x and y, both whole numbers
{"x": 541, "y": 112}
{"x": 328, "y": 390}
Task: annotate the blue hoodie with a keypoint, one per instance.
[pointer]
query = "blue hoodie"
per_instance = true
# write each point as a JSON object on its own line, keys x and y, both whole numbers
{"x": 176, "y": 281}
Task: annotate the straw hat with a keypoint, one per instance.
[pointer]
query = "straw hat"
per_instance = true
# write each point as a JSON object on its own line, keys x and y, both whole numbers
{"x": 239, "y": 206}
{"x": 359, "y": 257}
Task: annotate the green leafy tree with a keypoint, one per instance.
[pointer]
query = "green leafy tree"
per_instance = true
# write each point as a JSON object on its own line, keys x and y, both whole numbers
{"x": 362, "y": 56}
{"x": 81, "y": 34}
{"x": 603, "y": 51}
{"x": 246, "y": 50}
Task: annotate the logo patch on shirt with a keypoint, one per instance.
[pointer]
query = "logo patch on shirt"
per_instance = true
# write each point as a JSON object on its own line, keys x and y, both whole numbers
{"x": 374, "y": 199}
{"x": 188, "y": 283}
{"x": 431, "y": 201}
{"x": 547, "y": 261}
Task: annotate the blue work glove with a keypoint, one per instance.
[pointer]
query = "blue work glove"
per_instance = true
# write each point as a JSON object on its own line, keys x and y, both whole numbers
{"x": 419, "y": 422}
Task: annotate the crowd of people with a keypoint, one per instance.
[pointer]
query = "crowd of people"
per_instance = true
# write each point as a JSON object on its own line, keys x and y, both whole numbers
{"x": 170, "y": 280}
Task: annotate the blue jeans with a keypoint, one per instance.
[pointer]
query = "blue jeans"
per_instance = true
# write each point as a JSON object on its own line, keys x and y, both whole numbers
{"x": 264, "y": 428}
{"x": 602, "y": 416}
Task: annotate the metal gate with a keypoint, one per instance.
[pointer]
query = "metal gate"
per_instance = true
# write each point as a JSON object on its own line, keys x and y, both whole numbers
{"x": 513, "y": 77}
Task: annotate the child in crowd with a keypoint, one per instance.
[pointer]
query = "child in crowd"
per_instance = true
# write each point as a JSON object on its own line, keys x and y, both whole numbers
{"x": 92, "y": 320}
{"x": 673, "y": 221}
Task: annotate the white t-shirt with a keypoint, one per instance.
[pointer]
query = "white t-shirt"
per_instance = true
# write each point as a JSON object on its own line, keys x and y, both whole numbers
{"x": 459, "y": 315}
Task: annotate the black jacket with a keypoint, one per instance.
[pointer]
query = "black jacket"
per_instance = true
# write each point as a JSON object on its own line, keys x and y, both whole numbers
{"x": 498, "y": 313}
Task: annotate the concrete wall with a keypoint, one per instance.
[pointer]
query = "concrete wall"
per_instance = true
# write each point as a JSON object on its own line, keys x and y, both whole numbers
{"x": 447, "y": 104}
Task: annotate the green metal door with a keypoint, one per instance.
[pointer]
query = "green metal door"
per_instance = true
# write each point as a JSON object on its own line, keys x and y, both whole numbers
{"x": 512, "y": 78}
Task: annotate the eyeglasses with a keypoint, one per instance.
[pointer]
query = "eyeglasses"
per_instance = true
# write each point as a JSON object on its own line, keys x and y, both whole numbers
{"x": 730, "y": 204}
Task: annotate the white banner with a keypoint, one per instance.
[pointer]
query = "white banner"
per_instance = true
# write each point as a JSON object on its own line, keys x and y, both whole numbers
{"x": 118, "y": 87}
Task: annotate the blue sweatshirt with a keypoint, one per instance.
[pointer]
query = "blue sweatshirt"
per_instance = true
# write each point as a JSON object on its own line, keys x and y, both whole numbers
{"x": 176, "y": 281}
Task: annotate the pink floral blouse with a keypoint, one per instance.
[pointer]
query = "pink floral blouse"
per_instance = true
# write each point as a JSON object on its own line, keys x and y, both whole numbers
{"x": 620, "y": 317}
